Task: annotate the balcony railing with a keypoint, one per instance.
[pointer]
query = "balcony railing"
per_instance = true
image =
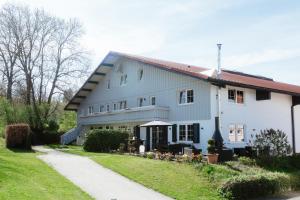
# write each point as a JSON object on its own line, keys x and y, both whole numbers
{"x": 144, "y": 113}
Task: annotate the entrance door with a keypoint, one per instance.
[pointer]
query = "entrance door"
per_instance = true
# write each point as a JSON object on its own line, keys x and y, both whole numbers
{"x": 159, "y": 137}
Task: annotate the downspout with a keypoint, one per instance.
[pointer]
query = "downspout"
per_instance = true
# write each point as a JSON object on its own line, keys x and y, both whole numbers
{"x": 293, "y": 128}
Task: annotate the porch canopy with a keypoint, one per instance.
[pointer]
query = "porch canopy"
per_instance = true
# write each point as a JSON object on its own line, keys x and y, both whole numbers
{"x": 156, "y": 123}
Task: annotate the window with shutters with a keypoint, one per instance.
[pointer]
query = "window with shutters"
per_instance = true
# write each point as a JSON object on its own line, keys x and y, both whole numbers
{"x": 236, "y": 133}
{"x": 186, "y": 132}
{"x": 182, "y": 133}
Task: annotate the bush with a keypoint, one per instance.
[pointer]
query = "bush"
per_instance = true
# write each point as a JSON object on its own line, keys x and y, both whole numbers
{"x": 18, "y": 136}
{"x": 150, "y": 155}
{"x": 272, "y": 142}
{"x": 253, "y": 186}
{"x": 211, "y": 148}
{"x": 247, "y": 161}
{"x": 53, "y": 126}
{"x": 104, "y": 140}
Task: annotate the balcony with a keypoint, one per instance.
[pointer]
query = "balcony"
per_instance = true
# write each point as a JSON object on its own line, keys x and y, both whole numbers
{"x": 137, "y": 114}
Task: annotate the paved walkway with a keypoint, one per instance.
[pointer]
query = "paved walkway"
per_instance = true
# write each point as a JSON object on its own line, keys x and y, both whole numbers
{"x": 99, "y": 182}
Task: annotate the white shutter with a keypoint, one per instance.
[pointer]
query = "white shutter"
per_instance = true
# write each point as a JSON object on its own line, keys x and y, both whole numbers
{"x": 232, "y": 133}
{"x": 240, "y": 133}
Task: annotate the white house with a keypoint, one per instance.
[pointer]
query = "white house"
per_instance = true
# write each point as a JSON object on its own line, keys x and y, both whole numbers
{"x": 126, "y": 91}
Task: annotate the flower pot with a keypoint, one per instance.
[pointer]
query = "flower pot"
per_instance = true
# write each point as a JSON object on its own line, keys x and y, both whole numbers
{"x": 212, "y": 158}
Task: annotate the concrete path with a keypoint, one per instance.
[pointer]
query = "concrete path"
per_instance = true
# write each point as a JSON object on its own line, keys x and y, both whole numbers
{"x": 101, "y": 183}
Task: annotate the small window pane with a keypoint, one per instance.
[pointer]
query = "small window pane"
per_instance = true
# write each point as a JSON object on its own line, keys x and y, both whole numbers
{"x": 107, "y": 108}
{"x": 101, "y": 108}
{"x": 240, "y": 133}
{"x": 140, "y": 102}
{"x": 182, "y": 97}
{"x": 153, "y": 101}
{"x": 182, "y": 135}
{"x": 190, "y": 96}
{"x": 231, "y": 95}
{"x": 190, "y": 132}
{"x": 239, "y": 96}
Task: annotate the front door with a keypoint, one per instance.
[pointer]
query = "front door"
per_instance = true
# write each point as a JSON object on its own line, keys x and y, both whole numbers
{"x": 159, "y": 137}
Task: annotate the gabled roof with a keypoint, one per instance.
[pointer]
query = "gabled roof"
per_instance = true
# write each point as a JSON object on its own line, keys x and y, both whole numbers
{"x": 227, "y": 77}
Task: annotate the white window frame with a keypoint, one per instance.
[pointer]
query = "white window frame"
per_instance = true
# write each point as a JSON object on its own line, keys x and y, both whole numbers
{"x": 236, "y": 136}
{"x": 107, "y": 108}
{"x": 122, "y": 105}
{"x": 101, "y": 108}
{"x": 115, "y": 106}
{"x": 108, "y": 84}
{"x": 186, "y": 130}
{"x": 185, "y": 97}
{"x": 151, "y": 98}
{"x": 139, "y": 102}
{"x": 123, "y": 80}
{"x": 235, "y": 96}
{"x": 91, "y": 110}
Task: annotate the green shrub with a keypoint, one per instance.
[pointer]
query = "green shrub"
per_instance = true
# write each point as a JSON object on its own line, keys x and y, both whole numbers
{"x": 104, "y": 140}
{"x": 253, "y": 186}
{"x": 211, "y": 148}
{"x": 18, "y": 136}
{"x": 52, "y": 126}
{"x": 150, "y": 155}
{"x": 247, "y": 161}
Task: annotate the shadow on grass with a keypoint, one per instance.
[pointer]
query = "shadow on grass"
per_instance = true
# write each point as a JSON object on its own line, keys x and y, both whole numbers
{"x": 20, "y": 150}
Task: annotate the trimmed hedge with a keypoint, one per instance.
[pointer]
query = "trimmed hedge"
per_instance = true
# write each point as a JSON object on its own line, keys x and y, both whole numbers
{"x": 104, "y": 140}
{"x": 18, "y": 136}
{"x": 253, "y": 186}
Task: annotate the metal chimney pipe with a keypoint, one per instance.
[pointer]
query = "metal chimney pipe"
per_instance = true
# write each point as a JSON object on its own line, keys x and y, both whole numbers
{"x": 219, "y": 60}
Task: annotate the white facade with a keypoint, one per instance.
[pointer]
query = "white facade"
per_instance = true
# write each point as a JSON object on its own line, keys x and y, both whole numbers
{"x": 125, "y": 84}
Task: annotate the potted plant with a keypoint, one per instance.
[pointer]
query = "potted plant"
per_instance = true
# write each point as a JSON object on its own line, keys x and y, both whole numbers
{"x": 212, "y": 156}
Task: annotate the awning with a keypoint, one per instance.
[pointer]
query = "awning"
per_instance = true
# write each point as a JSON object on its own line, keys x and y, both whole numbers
{"x": 156, "y": 123}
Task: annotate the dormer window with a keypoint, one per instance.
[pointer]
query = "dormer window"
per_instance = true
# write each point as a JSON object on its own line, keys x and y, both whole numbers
{"x": 123, "y": 79}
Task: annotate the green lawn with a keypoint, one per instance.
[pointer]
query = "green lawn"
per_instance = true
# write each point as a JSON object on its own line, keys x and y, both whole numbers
{"x": 23, "y": 176}
{"x": 177, "y": 180}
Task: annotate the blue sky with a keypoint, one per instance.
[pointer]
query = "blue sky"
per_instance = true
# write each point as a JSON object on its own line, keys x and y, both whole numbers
{"x": 258, "y": 36}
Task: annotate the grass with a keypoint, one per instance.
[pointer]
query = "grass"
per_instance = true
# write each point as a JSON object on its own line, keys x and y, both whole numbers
{"x": 180, "y": 180}
{"x": 23, "y": 176}
{"x": 177, "y": 180}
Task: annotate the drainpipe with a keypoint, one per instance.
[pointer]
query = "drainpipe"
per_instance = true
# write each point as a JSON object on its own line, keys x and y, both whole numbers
{"x": 293, "y": 128}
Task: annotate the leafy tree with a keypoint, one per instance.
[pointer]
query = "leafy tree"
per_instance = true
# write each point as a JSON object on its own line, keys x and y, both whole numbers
{"x": 272, "y": 142}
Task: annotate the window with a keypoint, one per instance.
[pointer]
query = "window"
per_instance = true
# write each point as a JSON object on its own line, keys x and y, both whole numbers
{"x": 239, "y": 96}
{"x": 107, "y": 108}
{"x": 91, "y": 110}
{"x": 108, "y": 84}
{"x": 236, "y": 133}
{"x": 122, "y": 105}
{"x": 115, "y": 106}
{"x": 182, "y": 133}
{"x": 140, "y": 74}
{"x": 153, "y": 101}
{"x": 101, "y": 108}
{"x": 186, "y": 96}
{"x": 231, "y": 95}
{"x": 140, "y": 102}
{"x": 123, "y": 80}
{"x": 186, "y": 132}
{"x": 190, "y": 132}
{"x": 236, "y": 96}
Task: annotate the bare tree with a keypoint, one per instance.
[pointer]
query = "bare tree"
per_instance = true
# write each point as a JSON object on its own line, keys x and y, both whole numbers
{"x": 70, "y": 60}
{"x": 9, "y": 45}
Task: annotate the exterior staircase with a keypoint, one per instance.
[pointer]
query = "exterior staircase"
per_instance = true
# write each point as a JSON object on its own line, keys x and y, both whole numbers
{"x": 71, "y": 135}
